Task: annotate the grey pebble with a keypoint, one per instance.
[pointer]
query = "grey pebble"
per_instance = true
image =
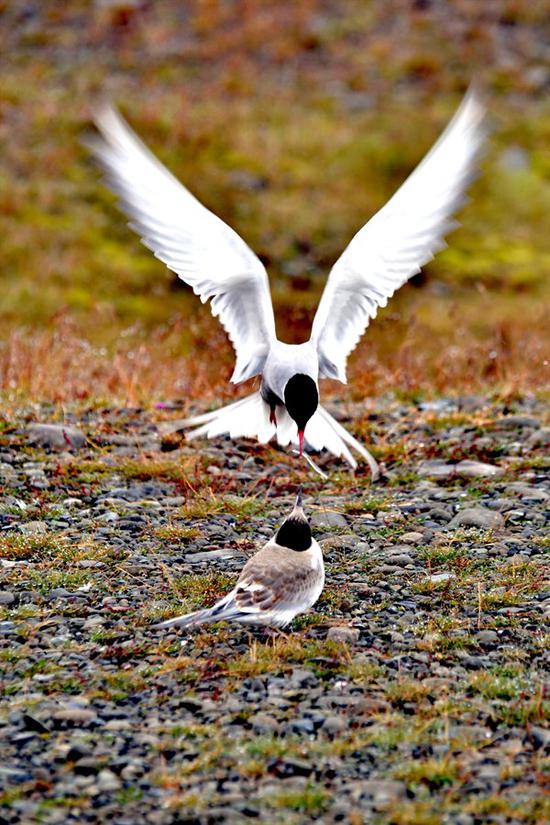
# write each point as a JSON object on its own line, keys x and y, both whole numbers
{"x": 58, "y": 436}
{"x": 382, "y": 792}
{"x": 486, "y": 637}
{"x": 108, "y": 781}
{"x": 264, "y": 723}
{"x": 328, "y": 518}
{"x": 478, "y": 517}
{"x": 32, "y": 528}
{"x": 437, "y": 578}
{"x": 343, "y": 633}
{"x": 334, "y": 725}
{"x": 75, "y": 715}
{"x": 412, "y": 537}
{"x": 123, "y": 723}
{"x": 477, "y": 469}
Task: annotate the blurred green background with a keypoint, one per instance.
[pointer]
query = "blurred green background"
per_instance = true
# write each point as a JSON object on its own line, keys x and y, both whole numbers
{"x": 294, "y": 122}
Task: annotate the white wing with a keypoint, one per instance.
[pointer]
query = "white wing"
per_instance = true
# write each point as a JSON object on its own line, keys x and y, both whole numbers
{"x": 403, "y": 236}
{"x": 205, "y": 252}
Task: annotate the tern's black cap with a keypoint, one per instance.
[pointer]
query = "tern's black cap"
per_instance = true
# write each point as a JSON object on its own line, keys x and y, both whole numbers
{"x": 301, "y": 398}
{"x": 295, "y": 532}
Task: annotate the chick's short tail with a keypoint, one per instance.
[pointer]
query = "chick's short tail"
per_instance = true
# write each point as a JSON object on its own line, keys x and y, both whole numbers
{"x": 222, "y": 611}
{"x": 190, "y": 619}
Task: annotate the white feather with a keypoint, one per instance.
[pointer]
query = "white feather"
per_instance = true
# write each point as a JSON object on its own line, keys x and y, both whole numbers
{"x": 403, "y": 236}
{"x": 193, "y": 242}
{"x": 249, "y": 418}
{"x": 218, "y": 265}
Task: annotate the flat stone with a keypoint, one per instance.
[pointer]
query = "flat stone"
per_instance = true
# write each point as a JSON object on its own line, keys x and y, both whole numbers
{"x": 328, "y": 518}
{"x": 108, "y": 781}
{"x": 117, "y": 724}
{"x": 380, "y": 791}
{"x": 210, "y": 555}
{"x": 301, "y": 677}
{"x": 370, "y": 705}
{"x": 443, "y": 470}
{"x": 398, "y": 550}
{"x": 116, "y": 439}
{"x": 440, "y": 514}
{"x": 7, "y": 628}
{"x": 60, "y": 593}
{"x": 343, "y": 633}
{"x": 174, "y": 426}
{"x": 412, "y": 537}
{"x": 478, "y": 517}
{"x": 436, "y": 468}
{"x": 301, "y": 726}
{"x": 57, "y": 436}
{"x": 477, "y": 469}
{"x": 347, "y": 541}
{"x": 401, "y": 559}
{"x": 511, "y": 422}
{"x": 540, "y": 438}
{"x": 334, "y": 725}
{"x": 74, "y": 716}
{"x": 6, "y": 598}
{"x": 474, "y": 662}
{"x": 291, "y": 767}
{"x": 33, "y": 528}
{"x": 486, "y": 637}
{"x": 264, "y": 723}
{"x": 528, "y": 491}
{"x": 93, "y": 622}
{"x": 437, "y": 578}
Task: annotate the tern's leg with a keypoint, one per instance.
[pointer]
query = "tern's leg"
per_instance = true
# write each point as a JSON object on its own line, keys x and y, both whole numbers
{"x": 272, "y": 399}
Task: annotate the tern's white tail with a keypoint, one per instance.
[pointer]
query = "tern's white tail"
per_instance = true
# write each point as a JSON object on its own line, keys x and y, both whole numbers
{"x": 324, "y": 432}
{"x": 249, "y": 418}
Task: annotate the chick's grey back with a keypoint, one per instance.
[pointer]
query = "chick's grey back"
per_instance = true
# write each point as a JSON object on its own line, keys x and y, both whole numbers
{"x": 277, "y": 576}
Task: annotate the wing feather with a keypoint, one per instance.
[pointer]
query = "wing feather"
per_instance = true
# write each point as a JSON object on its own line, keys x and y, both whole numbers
{"x": 193, "y": 242}
{"x": 403, "y": 236}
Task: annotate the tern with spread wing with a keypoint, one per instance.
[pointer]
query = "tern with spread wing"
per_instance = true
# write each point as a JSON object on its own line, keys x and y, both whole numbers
{"x": 283, "y": 579}
{"x": 214, "y": 260}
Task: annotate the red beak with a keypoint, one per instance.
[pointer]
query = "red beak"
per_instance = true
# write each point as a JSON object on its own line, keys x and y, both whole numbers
{"x": 301, "y": 437}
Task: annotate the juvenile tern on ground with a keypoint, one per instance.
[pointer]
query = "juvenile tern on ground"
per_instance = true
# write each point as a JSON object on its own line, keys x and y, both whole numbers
{"x": 284, "y": 578}
{"x": 209, "y": 256}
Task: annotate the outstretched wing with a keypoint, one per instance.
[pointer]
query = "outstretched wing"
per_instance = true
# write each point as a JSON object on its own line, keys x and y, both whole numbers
{"x": 403, "y": 236}
{"x": 192, "y": 241}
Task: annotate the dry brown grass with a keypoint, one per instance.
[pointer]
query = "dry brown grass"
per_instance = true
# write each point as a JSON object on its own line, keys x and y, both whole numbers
{"x": 436, "y": 350}
{"x": 329, "y": 109}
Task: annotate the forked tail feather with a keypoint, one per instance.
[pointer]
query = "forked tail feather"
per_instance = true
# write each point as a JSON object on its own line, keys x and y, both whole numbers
{"x": 250, "y": 418}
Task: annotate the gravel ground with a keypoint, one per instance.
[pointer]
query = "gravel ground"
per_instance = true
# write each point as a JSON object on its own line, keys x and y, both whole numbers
{"x": 412, "y": 693}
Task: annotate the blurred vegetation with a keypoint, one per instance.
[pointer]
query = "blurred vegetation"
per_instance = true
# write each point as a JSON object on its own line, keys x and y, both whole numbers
{"x": 294, "y": 123}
